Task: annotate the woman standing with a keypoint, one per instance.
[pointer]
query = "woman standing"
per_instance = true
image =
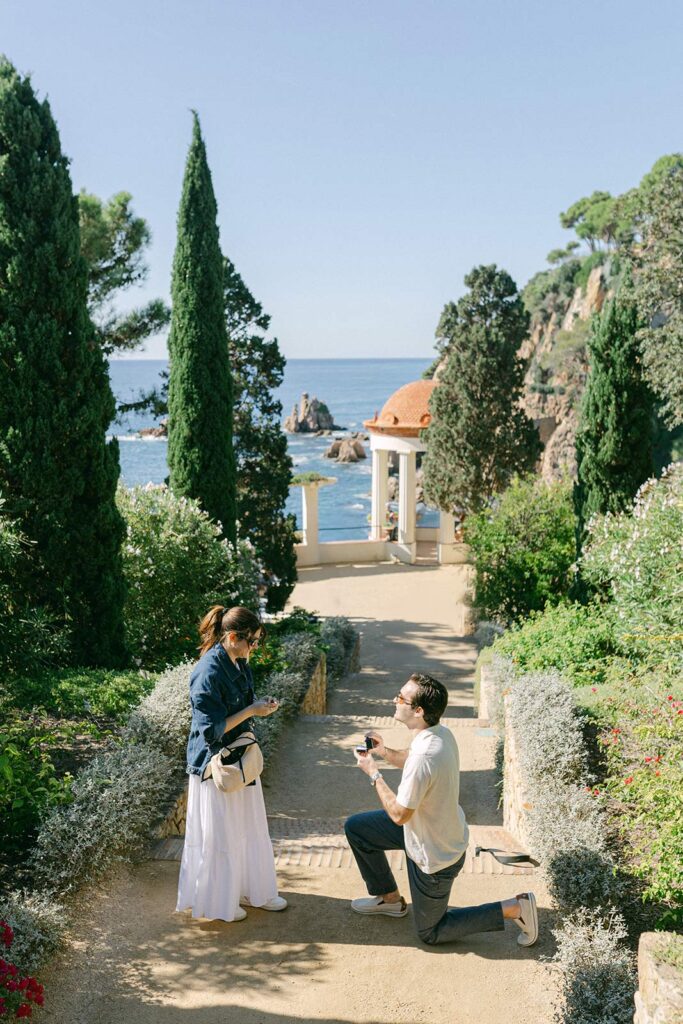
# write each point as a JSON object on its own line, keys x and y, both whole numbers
{"x": 228, "y": 855}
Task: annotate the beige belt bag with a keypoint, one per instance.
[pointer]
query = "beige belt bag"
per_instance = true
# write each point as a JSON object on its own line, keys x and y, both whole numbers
{"x": 237, "y": 764}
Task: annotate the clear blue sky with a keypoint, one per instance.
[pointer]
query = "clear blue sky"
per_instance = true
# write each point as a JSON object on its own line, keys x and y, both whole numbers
{"x": 365, "y": 153}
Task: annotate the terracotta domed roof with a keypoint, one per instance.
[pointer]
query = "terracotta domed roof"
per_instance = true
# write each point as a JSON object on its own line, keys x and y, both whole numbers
{"x": 406, "y": 413}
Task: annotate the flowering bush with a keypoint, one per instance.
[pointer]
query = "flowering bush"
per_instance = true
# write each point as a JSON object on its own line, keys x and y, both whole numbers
{"x": 176, "y": 566}
{"x": 576, "y": 639}
{"x": 642, "y": 740}
{"x": 524, "y": 547}
{"x": 637, "y": 559}
{"x": 18, "y": 992}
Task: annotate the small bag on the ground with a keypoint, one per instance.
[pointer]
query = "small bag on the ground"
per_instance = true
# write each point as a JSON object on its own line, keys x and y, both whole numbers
{"x": 237, "y": 764}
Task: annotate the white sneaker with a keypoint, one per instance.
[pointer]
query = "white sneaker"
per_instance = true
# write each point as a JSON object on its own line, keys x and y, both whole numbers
{"x": 528, "y": 922}
{"x": 239, "y": 915}
{"x": 275, "y": 904}
{"x": 376, "y": 905}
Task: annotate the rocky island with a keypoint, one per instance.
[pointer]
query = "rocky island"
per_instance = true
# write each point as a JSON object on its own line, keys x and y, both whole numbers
{"x": 310, "y": 417}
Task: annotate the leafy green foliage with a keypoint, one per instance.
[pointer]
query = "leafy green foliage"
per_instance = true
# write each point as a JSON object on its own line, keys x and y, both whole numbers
{"x": 642, "y": 740}
{"x": 479, "y": 436}
{"x": 600, "y": 219}
{"x": 200, "y": 391}
{"x": 635, "y": 558}
{"x": 177, "y": 566}
{"x": 658, "y": 262}
{"x": 614, "y": 442}
{"x": 28, "y": 780}
{"x": 545, "y": 289}
{"x": 58, "y": 474}
{"x": 264, "y": 466}
{"x": 70, "y": 693}
{"x": 113, "y": 244}
{"x": 524, "y": 549}
{"x": 30, "y": 637}
{"x": 576, "y": 639}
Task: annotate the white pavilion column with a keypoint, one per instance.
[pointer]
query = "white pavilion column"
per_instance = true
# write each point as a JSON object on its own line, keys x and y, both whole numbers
{"x": 380, "y": 492}
{"x": 309, "y": 494}
{"x": 406, "y": 503}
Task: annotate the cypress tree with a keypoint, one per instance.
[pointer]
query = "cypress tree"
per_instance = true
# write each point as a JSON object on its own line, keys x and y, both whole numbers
{"x": 200, "y": 391}
{"x": 58, "y": 474}
{"x": 614, "y": 442}
{"x": 479, "y": 437}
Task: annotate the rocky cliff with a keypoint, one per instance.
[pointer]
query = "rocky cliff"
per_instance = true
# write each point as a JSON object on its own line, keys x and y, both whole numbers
{"x": 556, "y": 376}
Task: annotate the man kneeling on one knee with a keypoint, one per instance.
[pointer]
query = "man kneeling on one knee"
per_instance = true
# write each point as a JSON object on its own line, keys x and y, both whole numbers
{"x": 425, "y": 819}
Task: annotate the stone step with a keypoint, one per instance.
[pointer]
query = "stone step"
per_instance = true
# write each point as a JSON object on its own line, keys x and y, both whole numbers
{"x": 386, "y": 722}
{"x": 321, "y": 843}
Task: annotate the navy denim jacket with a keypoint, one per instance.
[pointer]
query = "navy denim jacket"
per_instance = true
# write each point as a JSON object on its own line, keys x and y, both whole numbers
{"x": 218, "y": 689}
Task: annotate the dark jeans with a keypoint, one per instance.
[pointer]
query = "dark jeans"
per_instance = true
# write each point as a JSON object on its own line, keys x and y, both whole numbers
{"x": 373, "y": 832}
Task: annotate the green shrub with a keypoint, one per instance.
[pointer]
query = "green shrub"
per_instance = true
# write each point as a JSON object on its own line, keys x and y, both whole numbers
{"x": 590, "y": 262}
{"x": 524, "y": 547}
{"x": 115, "y": 803}
{"x": 642, "y": 740}
{"x": 575, "y": 639}
{"x": 176, "y": 567}
{"x": 28, "y": 781}
{"x": 71, "y": 693}
{"x": 30, "y": 637}
{"x": 637, "y": 559}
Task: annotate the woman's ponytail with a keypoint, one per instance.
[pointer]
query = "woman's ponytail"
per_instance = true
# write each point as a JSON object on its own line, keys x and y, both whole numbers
{"x": 211, "y": 628}
{"x": 219, "y": 620}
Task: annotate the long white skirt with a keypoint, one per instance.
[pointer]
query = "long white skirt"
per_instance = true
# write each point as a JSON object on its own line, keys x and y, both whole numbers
{"x": 228, "y": 854}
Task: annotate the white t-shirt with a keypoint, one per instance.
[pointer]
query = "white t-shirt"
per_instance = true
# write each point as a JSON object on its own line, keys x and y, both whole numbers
{"x": 436, "y": 835}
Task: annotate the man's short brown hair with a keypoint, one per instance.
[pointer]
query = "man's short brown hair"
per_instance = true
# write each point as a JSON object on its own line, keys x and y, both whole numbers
{"x": 431, "y": 696}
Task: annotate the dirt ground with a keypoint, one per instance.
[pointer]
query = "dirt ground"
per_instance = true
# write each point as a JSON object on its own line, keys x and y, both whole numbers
{"x": 132, "y": 959}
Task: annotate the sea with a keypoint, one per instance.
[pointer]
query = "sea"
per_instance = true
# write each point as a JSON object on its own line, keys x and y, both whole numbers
{"x": 352, "y": 389}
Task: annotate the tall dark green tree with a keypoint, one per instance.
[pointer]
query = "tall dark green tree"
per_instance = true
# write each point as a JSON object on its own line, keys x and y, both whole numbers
{"x": 614, "y": 442}
{"x": 114, "y": 241}
{"x": 58, "y": 474}
{"x": 263, "y": 462}
{"x": 200, "y": 391}
{"x": 479, "y": 437}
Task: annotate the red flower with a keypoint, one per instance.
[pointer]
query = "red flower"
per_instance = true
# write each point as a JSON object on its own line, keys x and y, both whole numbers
{"x": 648, "y": 759}
{"x": 24, "y": 1010}
{"x": 658, "y": 773}
{"x": 670, "y": 697}
{"x": 628, "y": 781}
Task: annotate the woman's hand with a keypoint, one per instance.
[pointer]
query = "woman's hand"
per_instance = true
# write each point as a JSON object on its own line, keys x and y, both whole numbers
{"x": 264, "y": 706}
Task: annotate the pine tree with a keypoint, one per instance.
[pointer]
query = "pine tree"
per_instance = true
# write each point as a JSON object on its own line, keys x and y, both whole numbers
{"x": 263, "y": 462}
{"x": 479, "y": 437}
{"x": 200, "y": 392}
{"x": 614, "y": 442}
{"x": 58, "y": 474}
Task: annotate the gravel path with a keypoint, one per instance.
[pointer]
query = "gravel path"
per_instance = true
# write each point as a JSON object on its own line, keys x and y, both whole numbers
{"x": 133, "y": 960}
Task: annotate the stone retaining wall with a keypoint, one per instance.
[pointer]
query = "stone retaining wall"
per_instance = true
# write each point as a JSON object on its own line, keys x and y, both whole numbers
{"x": 659, "y": 999}
{"x": 314, "y": 703}
{"x": 516, "y": 803}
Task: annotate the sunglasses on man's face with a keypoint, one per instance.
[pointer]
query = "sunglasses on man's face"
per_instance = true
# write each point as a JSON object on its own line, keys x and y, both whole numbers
{"x": 400, "y": 699}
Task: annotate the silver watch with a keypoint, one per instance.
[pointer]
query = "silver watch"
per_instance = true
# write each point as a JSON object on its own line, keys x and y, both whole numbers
{"x": 374, "y": 777}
